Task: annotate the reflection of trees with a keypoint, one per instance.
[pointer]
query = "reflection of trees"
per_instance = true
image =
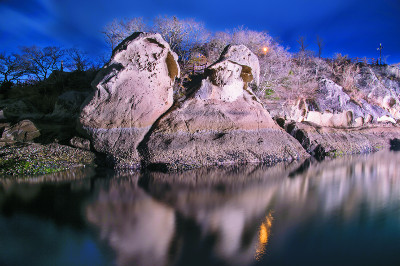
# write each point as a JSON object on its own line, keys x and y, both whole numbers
{"x": 225, "y": 215}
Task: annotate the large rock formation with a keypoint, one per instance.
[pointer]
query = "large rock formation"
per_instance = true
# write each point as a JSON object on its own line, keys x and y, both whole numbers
{"x": 221, "y": 122}
{"x": 131, "y": 92}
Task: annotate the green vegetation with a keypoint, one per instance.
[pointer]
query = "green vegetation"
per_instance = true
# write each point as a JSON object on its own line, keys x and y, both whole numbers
{"x": 335, "y": 154}
{"x": 23, "y": 167}
{"x": 36, "y": 159}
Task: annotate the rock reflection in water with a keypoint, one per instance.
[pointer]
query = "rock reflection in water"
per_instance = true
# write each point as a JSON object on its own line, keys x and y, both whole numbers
{"x": 253, "y": 215}
{"x": 137, "y": 227}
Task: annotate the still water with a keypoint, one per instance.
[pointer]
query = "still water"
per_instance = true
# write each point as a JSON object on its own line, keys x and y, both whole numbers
{"x": 340, "y": 212}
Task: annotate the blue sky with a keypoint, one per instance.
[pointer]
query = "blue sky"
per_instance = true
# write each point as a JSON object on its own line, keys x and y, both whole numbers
{"x": 353, "y": 27}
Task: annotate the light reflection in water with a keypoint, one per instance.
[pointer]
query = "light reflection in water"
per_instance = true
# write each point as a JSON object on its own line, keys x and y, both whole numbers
{"x": 330, "y": 211}
{"x": 263, "y": 236}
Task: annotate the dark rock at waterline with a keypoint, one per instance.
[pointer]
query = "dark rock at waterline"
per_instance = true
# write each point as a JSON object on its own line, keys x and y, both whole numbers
{"x": 333, "y": 142}
{"x": 395, "y": 144}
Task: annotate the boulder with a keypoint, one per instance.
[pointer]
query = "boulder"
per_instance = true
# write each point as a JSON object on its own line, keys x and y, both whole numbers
{"x": 328, "y": 119}
{"x": 4, "y": 138}
{"x": 241, "y": 55}
{"x": 331, "y": 97}
{"x": 131, "y": 92}
{"x": 222, "y": 122}
{"x": 80, "y": 143}
{"x": 2, "y": 117}
{"x": 23, "y": 131}
{"x": 68, "y": 105}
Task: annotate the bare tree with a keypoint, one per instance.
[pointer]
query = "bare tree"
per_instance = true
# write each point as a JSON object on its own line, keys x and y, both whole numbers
{"x": 301, "y": 41}
{"x": 77, "y": 59}
{"x": 40, "y": 62}
{"x": 11, "y": 68}
{"x": 118, "y": 30}
{"x": 320, "y": 44}
{"x": 183, "y": 35}
{"x": 213, "y": 48}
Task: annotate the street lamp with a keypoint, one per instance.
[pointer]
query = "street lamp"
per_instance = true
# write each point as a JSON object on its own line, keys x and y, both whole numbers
{"x": 380, "y": 53}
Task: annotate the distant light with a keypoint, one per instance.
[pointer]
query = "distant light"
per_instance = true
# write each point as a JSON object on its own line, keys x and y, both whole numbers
{"x": 265, "y": 49}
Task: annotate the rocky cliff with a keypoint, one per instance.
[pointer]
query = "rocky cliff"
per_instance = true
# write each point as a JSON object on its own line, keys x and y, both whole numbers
{"x": 132, "y": 119}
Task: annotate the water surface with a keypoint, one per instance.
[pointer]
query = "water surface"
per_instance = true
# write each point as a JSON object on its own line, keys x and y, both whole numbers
{"x": 340, "y": 212}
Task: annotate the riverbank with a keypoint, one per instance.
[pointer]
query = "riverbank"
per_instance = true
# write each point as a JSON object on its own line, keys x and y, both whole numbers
{"x": 130, "y": 119}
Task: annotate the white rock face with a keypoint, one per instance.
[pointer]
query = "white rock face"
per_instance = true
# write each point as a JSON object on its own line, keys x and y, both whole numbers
{"x": 327, "y": 119}
{"x": 386, "y": 119}
{"x": 131, "y": 92}
{"x": 230, "y": 75}
{"x": 241, "y": 55}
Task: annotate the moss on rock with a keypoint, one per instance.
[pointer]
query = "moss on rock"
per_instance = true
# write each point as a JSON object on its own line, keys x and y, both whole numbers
{"x": 36, "y": 159}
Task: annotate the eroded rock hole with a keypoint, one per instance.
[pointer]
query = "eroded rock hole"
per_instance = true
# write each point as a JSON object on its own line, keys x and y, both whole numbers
{"x": 172, "y": 66}
{"x": 246, "y": 74}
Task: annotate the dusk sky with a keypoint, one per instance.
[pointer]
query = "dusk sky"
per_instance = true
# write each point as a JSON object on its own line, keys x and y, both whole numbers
{"x": 353, "y": 27}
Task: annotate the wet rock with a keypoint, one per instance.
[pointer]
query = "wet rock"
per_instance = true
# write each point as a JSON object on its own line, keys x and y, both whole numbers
{"x": 333, "y": 142}
{"x": 131, "y": 92}
{"x": 395, "y": 144}
{"x": 80, "y": 143}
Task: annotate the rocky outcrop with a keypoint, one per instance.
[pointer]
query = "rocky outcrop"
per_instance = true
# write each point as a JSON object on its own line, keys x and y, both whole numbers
{"x": 373, "y": 98}
{"x": 222, "y": 122}
{"x": 22, "y": 131}
{"x": 131, "y": 92}
{"x": 240, "y": 54}
{"x": 333, "y": 142}
{"x": 381, "y": 86}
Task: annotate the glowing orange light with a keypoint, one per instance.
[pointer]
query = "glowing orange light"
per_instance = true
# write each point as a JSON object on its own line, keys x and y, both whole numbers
{"x": 265, "y": 49}
{"x": 263, "y": 236}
